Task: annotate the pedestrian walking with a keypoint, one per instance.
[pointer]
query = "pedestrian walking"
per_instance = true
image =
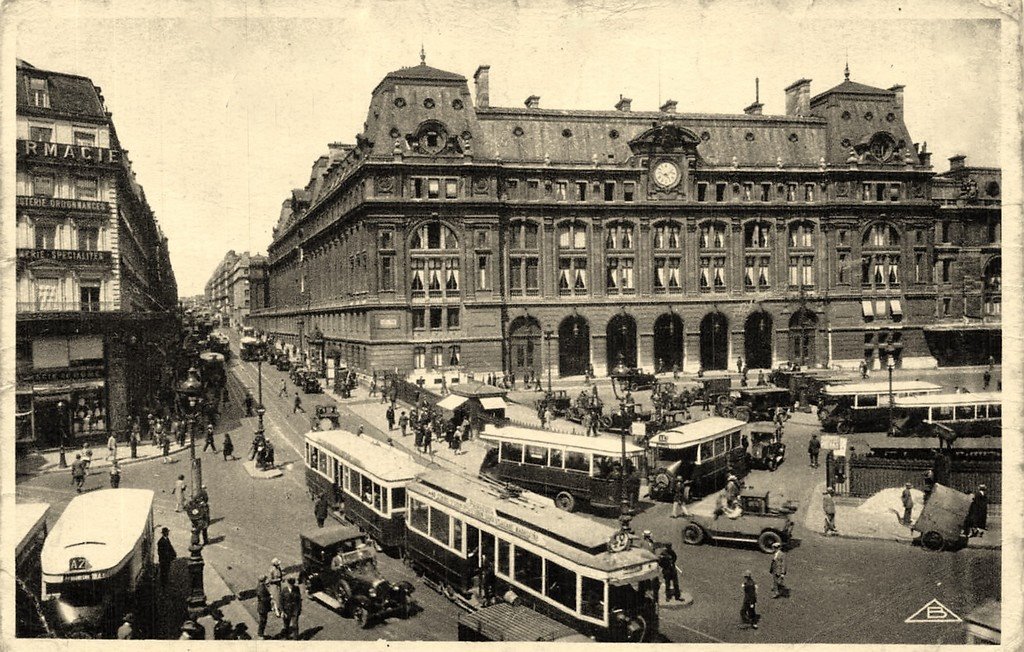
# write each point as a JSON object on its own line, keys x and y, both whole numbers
{"x": 542, "y": 415}
{"x": 667, "y": 561}
{"x": 210, "y": 443}
{"x": 165, "y": 554}
{"x": 111, "y": 447}
{"x": 291, "y": 595}
{"x": 228, "y": 447}
{"x": 828, "y": 505}
{"x": 681, "y": 497}
{"x": 78, "y": 473}
{"x": 403, "y": 422}
{"x": 275, "y": 580}
{"x": 428, "y": 436}
{"x": 373, "y": 387}
{"x": 284, "y": 389}
{"x": 749, "y": 611}
{"x": 264, "y": 605}
{"x": 908, "y": 504}
{"x": 126, "y": 632}
{"x": 813, "y": 450}
{"x": 977, "y": 514}
{"x": 297, "y": 407}
{"x": 389, "y": 414}
{"x": 134, "y": 437}
{"x": 986, "y": 379}
{"x": 863, "y": 369}
{"x": 115, "y": 474}
{"x": 165, "y": 449}
{"x": 320, "y": 509}
{"x": 778, "y": 572}
{"x": 179, "y": 493}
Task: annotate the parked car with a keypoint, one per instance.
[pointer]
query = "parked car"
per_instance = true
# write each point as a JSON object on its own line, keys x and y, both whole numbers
{"x": 755, "y": 403}
{"x": 757, "y": 523}
{"x": 310, "y": 383}
{"x": 632, "y": 379}
{"x": 339, "y": 569}
{"x": 766, "y": 448}
{"x": 281, "y": 362}
{"x": 557, "y": 401}
{"x": 327, "y": 418}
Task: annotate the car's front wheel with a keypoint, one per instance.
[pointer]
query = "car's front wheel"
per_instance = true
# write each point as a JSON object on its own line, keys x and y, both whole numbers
{"x": 693, "y": 534}
{"x": 362, "y": 615}
{"x": 565, "y": 501}
{"x": 766, "y": 542}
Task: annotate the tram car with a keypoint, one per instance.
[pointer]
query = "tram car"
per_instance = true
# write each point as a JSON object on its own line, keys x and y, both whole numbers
{"x": 864, "y": 407}
{"x": 575, "y": 470}
{"x": 97, "y": 562}
{"x": 942, "y": 415}
{"x": 364, "y": 479}
{"x": 566, "y": 567}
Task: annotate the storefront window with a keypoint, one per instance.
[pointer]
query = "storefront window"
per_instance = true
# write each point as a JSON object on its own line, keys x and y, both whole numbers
{"x": 89, "y": 412}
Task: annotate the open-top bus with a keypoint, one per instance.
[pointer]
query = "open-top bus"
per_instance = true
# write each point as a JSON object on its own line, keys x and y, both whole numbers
{"x": 561, "y": 564}
{"x": 366, "y": 477}
{"x": 864, "y": 407}
{"x": 942, "y": 415}
{"x": 575, "y": 470}
{"x": 704, "y": 452}
{"x": 97, "y": 561}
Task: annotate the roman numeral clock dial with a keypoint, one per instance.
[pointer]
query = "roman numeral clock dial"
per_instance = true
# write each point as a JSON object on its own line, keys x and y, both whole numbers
{"x": 666, "y": 174}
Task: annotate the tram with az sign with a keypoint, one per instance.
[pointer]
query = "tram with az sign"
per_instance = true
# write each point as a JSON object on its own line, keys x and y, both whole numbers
{"x": 575, "y": 470}
{"x": 97, "y": 562}
{"x": 567, "y": 567}
{"x": 363, "y": 478}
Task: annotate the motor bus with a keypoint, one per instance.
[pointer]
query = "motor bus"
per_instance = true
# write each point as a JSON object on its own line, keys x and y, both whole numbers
{"x": 938, "y": 415}
{"x": 29, "y": 535}
{"x": 704, "y": 452}
{"x": 575, "y": 470}
{"x": 864, "y": 407}
{"x": 364, "y": 479}
{"x": 563, "y": 565}
{"x": 97, "y": 562}
{"x": 249, "y": 348}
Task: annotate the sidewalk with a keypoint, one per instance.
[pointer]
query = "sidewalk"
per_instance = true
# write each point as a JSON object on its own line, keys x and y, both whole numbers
{"x": 878, "y": 517}
{"x": 48, "y": 461}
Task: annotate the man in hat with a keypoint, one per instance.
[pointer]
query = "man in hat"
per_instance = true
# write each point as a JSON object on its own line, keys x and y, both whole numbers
{"x": 977, "y": 514}
{"x": 813, "y": 450}
{"x": 275, "y": 580}
{"x": 648, "y": 541}
{"x": 828, "y": 505}
{"x": 291, "y": 597}
{"x": 115, "y": 474}
{"x": 778, "y": 572}
{"x": 209, "y": 439}
{"x": 78, "y": 473}
{"x": 320, "y": 509}
{"x": 165, "y": 555}
{"x": 667, "y": 561}
{"x": 749, "y": 611}
{"x": 732, "y": 490}
{"x": 908, "y": 504}
{"x": 264, "y": 604}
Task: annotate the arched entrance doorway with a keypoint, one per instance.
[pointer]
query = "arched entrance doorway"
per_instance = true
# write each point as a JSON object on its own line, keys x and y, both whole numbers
{"x": 621, "y": 340}
{"x": 757, "y": 340}
{"x": 714, "y": 341}
{"x": 802, "y": 327}
{"x": 524, "y": 336}
{"x": 668, "y": 342}
{"x": 573, "y": 346}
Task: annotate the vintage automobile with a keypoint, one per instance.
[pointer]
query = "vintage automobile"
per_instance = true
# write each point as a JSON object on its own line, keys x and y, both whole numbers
{"x": 755, "y": 523}
{"x": 712, "y": 390}
{"x": 327, "y": 418}
{"x": 755, "y": 403}
{"x": 557, "y": 401}
{"x": 310, "y": 383}
{"x": 805, "y": 385}
{"x": 632, "y": 379}
{"x": 295, "y": 374}
{"x": 339, "y": 569}
{"x": 766, "y": 448}
{"x": 281, "y": 361}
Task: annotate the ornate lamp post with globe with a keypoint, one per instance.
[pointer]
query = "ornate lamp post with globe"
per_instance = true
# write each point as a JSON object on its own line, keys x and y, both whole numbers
{"x": 190, "y": 393}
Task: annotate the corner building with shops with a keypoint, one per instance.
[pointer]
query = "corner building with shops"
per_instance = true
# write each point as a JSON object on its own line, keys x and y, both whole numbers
{"x": 96, "y": 296}
{"x": 457, "y": 235}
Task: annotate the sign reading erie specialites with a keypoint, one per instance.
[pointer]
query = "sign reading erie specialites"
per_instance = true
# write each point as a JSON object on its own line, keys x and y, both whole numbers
{"x": 62, "y": 152}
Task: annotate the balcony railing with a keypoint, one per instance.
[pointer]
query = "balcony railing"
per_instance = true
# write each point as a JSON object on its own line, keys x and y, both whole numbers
{"x": 68, "y": 306}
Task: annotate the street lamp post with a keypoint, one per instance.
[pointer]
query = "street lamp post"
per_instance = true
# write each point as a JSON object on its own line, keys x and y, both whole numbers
{"x": 625, "y": 512}
{"x": 548, "y": 334}
{"x": 889, "y": 350}
{"x": 189, "y": 390}
{"x": 62, "y": 407}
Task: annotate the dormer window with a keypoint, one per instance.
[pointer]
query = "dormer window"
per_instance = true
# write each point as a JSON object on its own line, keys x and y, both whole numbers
{"x": 433, "y": 138}
{"x": 882, "y": 147}
{"x": 39, "y": 92}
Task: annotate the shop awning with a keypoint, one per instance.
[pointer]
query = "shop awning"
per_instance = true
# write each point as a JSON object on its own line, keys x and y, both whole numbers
{"x": 493, "y": 403}
{"x": 867, "y": 308}
{"x": 897, "y": 309}
{"x": 451, "y": 402}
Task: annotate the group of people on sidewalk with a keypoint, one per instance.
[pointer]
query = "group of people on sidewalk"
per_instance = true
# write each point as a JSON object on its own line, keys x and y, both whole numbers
{"x": 281, "y": 597}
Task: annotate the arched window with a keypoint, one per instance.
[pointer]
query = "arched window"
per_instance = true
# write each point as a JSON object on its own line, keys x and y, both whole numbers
{"x": 756, "y": 235}
{"x": 801, "y": 234}
{"x": 620, "y": 241}
{"x": 572, "y": 235}
{"x": 711, "y": 274}
{"x": 433, "y": 262}
{"x": 619, "y": 236}
{"x": 524, "y": 258}
{"x": 712, "y": 235}
{"x": 667, "y": 241}
{"x": 881, "y": 234}
{"x": 880, "y": 262}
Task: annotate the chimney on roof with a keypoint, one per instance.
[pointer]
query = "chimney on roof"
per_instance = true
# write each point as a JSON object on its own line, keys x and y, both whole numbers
{"x": 482, "y": 79}
{"x": 533, "y": 102}
{"x": 623, "y": 104}
{"x": 669, "y": 106}
{"x": 755, "y": 108}
{"x": 798, "y": 98}
{"x": 898, "y": 102}
{"x": 957, "y": 162}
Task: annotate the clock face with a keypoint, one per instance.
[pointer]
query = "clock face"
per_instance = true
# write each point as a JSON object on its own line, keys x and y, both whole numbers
{"x": 666, "y": 174}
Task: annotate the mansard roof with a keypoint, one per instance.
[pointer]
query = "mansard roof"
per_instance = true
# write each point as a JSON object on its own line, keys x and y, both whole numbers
{"x": 69, "y": 94}
{"x": 853, "y": 88}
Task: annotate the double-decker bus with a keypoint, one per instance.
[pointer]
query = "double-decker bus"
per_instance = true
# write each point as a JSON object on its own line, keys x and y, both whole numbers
{"x": 561, "y": 564}
{"x": 97, "y": 562}
{"x": 864, "y": 407}
{"x": 363, "y": 477}
{"x": 959, "y": 415}
{"x": 704, "y": 452}
{"x": 573, "y": 469}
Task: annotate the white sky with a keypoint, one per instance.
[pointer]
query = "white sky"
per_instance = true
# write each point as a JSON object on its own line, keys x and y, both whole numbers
{"x": 224, "y": 106}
